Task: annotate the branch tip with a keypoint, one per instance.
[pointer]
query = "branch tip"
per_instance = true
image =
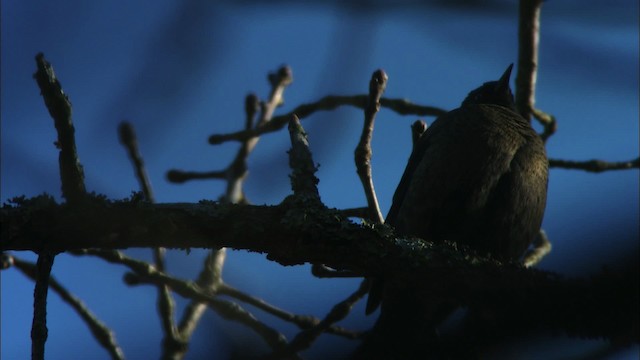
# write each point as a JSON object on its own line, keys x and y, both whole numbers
{"x": 303, "y": 179}
{"x": 417, "y": 129}
{"x": 126, "y": 134}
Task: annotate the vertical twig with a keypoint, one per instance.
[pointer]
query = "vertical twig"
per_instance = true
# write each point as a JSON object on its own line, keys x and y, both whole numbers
{"x": 39, "y": 331}
{"x": 128, "y": 139}
{"x": 211, "y": 274}
{"x": 166, "y": 304}
{"x": 236, "y": 173}
{"x": 363, "y": 150}
{"x": 529, "y": 41}
{"x": 279, "y": 81}
{"x": 101, "y": 332}
{"x": 529, "y": 38}
{"x": 209, "y": 278}
{"x": 73, "y": 189}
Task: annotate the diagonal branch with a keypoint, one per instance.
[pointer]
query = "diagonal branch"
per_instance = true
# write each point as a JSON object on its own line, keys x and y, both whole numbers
{"x": 221, "y": 288}
{"x": 209, "y": 279}
{"x": 100, "y": 331}
{"x": 305, "y": 338}
{"x": 59, "y": 106}
{"x": 191, "y": 290}
{"x": 548, "y": 121}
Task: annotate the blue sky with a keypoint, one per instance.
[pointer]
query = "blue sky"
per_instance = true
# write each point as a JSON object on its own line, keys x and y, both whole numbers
{"x": 180, "y": 72}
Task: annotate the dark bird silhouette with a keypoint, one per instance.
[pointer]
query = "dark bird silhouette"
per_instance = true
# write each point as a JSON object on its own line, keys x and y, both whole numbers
{"x": 477, "y": 176}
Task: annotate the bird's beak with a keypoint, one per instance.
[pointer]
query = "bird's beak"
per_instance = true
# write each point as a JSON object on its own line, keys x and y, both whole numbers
{"x": 502, "y": 86}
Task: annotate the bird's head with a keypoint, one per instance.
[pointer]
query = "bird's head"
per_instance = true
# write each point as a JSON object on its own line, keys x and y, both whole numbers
{"x": 493, "y": 92}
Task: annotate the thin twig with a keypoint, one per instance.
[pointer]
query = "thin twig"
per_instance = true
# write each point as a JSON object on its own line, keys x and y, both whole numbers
{"x": 209, "y": 279}
{"x": 73, "y": 189}
{"x": 39, "y": 331}
{"x": 237, "y": 171}
{"x": 305, "y": 338}
{"x": 528, "y": 41}
{"x": 302, "y": 321}
{"x": 279, "y": 81}
{"x": 595, "y": 166}
{"x": 100, "y": 331}
{"x": 541, "y": 248}
{"x": 189, "y": 289}
{"x": 166, "y": 305}
{"x": 179, "y": 176}
{"x": 331, "y": 102}
{"x": 128, "y": 139}
{"x": 548, "y": 121}
{"x": 363, "y": 150}
{"x": 221, "y": 288}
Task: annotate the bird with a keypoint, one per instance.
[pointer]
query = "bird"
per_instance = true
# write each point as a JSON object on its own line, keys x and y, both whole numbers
{"x": 477, "y": 176}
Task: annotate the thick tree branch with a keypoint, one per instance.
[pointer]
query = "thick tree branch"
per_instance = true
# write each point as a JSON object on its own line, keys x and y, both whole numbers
{"x": 292, "y": 235}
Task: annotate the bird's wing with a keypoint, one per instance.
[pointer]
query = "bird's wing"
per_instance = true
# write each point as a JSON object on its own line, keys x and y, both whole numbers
{"x": 415, "y": 158}
{"x": 452, "y": 173}
{"x": 515, "y": 207}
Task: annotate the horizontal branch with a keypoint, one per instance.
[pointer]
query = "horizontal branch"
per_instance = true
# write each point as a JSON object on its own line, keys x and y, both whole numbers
{"x": 118, "y": 225}
{"x": 400, "y": 106}
{"x": 295, "y": 233}
{"x": 594, "y": 165}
